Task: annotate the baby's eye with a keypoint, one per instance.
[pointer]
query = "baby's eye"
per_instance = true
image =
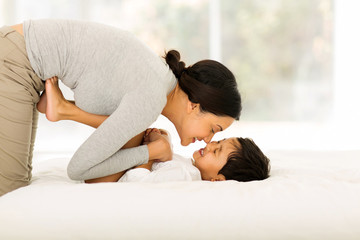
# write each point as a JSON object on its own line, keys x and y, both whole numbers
{"x": 212, "y": 130}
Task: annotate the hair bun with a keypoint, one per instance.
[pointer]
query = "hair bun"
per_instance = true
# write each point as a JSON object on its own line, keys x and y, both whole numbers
{"x": 172, "y": 58}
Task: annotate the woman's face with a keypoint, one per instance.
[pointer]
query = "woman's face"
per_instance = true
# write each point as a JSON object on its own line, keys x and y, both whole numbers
{"x": 198, "y": 126}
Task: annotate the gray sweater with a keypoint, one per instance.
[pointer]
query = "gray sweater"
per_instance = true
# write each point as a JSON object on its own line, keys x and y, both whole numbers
{"x": 111, "y": 73}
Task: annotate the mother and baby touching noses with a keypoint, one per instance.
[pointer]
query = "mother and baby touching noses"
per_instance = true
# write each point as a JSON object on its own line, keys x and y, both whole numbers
{"x": 120, "y": 88}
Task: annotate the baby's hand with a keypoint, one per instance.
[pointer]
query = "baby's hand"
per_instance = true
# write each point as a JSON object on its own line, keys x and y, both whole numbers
{"x": 151, "y": 134}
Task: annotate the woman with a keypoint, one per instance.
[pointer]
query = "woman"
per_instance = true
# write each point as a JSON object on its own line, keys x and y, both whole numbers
{"x": 237, "y": 159}
{"x": 111, "y": 73}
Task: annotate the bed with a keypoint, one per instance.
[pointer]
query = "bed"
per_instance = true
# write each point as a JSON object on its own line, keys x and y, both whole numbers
{"x": 310, "y": 195}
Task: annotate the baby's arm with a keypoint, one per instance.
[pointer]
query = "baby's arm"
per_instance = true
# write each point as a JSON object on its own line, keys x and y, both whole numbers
{"x": 147, "y": 166}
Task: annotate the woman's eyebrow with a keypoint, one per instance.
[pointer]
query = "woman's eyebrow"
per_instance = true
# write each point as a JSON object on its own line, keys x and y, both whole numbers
{"x": 219, "y": 127}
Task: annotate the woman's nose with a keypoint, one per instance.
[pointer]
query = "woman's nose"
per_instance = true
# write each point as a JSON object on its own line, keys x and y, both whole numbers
{"x": 208, "y": 139}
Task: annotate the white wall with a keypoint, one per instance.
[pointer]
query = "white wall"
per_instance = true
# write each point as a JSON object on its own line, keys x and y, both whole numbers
{"x": 347, "y": 62}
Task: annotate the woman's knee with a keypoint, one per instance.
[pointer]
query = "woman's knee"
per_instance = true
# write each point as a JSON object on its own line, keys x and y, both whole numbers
{"x": 8, "y": 183}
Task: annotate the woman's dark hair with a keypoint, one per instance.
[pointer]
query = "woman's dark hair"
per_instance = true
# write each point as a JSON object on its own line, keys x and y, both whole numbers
{"x": 208, "y": 83}
{"x": 246, "y": 163}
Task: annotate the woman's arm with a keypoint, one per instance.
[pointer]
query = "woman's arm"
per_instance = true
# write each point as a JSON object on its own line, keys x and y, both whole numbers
{"x": 146, "y": 137}
{"x": 135, "y": 141}
{"x": 107, "y": 138}
{"x": 57, "y": 108}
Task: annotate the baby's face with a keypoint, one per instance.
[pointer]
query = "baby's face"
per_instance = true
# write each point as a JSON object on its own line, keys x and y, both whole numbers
{"x": 211, "y": 159}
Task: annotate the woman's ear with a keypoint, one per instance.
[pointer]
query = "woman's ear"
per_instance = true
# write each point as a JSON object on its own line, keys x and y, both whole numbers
{"x": 191, "y": 107}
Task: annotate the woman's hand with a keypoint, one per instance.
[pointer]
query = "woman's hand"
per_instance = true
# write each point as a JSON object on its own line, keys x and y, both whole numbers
{"x": 159, "y": 145}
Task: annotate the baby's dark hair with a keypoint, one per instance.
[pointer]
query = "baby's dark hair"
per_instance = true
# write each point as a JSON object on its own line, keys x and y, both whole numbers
{"x": 246, "y": 163}
{"x": 208, "y": 83}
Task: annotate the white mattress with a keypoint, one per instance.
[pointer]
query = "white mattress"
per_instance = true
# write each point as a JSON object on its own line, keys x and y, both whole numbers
{"x": 310, "y": 195}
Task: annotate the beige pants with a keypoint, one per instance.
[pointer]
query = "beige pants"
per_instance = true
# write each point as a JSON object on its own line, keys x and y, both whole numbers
{"x": 19, "y": 93}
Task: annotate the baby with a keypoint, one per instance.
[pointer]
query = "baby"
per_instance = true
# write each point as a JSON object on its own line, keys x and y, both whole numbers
{"x": 237, "y": 159}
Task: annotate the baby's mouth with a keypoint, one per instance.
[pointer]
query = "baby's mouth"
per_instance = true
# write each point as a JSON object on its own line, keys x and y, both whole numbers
{"x": 201, "y": 151}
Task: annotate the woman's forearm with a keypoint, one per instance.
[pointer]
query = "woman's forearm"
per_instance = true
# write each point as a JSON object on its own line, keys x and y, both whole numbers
{"x": 134, "y": 142}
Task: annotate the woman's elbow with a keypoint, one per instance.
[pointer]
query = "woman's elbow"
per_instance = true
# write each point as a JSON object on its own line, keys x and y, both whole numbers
{"x": 74, "y": 174}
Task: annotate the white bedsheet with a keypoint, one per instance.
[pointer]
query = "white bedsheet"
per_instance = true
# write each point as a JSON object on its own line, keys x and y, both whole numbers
{"x": 310, "y": 195}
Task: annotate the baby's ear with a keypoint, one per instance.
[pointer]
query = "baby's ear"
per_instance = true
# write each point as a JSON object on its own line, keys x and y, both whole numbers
{"x": 219, "y": 177}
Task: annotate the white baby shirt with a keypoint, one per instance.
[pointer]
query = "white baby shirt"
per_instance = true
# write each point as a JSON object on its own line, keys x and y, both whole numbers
{"x": 178, "y": 169}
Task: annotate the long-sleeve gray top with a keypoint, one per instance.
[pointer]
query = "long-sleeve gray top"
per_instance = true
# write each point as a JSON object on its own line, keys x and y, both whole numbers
{"x": 111, "y": 72}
